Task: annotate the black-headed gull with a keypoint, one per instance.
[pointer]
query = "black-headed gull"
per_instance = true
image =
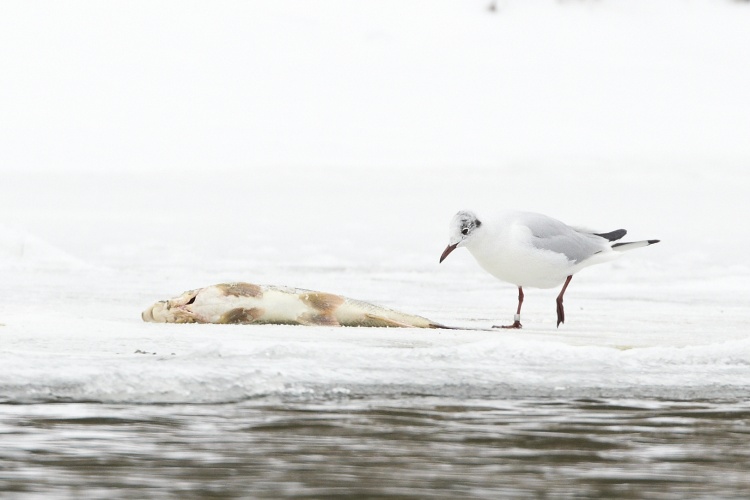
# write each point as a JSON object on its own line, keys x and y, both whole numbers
{"x": 533, "y": 250}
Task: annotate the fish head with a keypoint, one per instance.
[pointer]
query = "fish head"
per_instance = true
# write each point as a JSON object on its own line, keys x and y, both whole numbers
{"x": 176, "y": 310}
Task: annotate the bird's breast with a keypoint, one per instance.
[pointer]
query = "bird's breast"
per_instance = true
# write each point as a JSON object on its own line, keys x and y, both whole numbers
{"x": 523, "y": 265}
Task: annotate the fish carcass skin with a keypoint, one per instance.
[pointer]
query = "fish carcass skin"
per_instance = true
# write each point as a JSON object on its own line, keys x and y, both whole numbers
{"x": 247, "y": 303}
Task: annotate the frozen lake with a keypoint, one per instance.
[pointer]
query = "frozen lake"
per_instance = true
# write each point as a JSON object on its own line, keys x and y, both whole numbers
{"x": 665, "y": 321}
{"x": 643, "y": 391}
{"x": 326, "y": 145}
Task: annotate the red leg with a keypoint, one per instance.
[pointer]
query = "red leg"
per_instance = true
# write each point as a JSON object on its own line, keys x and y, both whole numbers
{"x": 517, "y": 319}
{"x": 560, "y": 310}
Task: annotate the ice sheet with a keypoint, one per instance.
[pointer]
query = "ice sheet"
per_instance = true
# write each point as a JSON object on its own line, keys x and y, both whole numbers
{"x": 654, "y": 323}
{"x": 326, "y": 146}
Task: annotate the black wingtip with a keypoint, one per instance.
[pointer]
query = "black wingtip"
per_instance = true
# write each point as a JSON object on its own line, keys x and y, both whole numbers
{"x": 613, "y": 235}
{"x": 651, "y": 242}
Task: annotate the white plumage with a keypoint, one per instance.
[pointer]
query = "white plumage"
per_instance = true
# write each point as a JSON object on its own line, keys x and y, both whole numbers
{"x": 533, "y": 250}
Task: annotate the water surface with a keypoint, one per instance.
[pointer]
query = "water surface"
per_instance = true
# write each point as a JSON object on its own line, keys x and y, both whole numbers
{"x": 405, "y": 447}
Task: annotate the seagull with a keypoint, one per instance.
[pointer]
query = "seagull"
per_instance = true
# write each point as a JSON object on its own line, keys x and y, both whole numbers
{"x": 533, "y": 250}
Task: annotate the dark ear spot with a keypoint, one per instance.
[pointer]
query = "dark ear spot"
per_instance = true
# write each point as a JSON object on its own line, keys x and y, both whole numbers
{"x": 478, "y": 223}
{"x": 241, "y": 289}
{"x": 241, "y": 316}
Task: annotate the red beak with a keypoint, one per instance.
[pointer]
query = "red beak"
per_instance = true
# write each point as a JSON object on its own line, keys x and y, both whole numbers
{"x": 447, "y": 251}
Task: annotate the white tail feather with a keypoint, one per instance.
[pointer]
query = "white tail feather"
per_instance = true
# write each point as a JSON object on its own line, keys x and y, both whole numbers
{"x": 622, "y": 247}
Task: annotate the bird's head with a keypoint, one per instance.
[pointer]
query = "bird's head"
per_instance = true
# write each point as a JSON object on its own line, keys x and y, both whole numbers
{"x": 462, "y": 229}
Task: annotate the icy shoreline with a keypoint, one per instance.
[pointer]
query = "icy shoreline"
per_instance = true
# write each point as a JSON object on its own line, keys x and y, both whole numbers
{"x": 325, "y": 145}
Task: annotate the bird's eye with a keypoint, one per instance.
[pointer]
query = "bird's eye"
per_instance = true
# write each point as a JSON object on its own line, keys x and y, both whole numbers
{"x": 465, "y": 231}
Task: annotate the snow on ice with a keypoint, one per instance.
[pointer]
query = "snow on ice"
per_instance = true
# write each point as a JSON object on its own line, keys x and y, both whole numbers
{"x": 325, "y": 145}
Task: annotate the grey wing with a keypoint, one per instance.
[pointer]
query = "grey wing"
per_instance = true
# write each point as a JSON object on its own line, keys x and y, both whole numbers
{"x": 553, "y": 235}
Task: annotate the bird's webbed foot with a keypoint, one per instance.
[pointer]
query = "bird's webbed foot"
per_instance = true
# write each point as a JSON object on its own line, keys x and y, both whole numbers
{"x": 560, "y": 313}
{"x": 516, "y": 325}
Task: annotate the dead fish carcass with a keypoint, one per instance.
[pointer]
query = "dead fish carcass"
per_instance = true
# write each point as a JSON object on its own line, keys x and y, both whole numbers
{"x": 247, "y": 303}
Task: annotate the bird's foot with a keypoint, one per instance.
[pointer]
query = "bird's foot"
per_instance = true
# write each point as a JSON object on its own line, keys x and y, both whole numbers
{"x": 560, "y": 313}
{"x": 516, "y": 324}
